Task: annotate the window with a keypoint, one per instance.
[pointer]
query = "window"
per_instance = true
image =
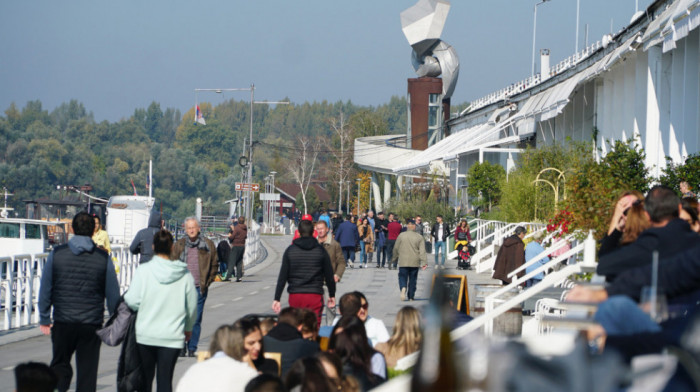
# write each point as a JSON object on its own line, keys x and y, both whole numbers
{"x": 9, "y": 230}
{"x": 32, "y": 232}
{"x": 433, "y": 117}
{"x": 434, "y": 99}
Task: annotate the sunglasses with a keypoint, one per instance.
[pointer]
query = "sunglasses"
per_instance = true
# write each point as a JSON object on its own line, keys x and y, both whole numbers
{"x": 365, "y": 306}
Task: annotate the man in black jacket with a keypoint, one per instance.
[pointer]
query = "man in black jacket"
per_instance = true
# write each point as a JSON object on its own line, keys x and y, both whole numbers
{"x": 305, "y": 266}
{"x": 76, "y": 280}
{"x": 143, "y": 242}
{"x": 286, "y": 338}
{"x": 668, "y": 235}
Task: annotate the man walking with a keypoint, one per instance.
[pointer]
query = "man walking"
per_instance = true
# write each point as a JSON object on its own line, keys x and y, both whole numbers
{"x": 76, "y": 279}
{"x": 223, "y": 251}
{"x": 143, "y": 242}
{"x": 349, "y": 238}
{"x": 393, "y": 230}
{"x": 380, "y": 233}
{"x": 235, "y": 259}
{"x": 335, "y": 252}
{"x": 199, "y": 254}
{"x": 409, "y": 251}
{"x": 440, "y": 233}
{"x": 305, "y": 266}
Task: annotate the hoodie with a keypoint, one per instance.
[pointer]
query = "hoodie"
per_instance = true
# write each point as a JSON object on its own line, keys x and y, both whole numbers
{"x": 305, "y": 265}
{"x": 143, "y": 242}
{"x": 163, "y": 294}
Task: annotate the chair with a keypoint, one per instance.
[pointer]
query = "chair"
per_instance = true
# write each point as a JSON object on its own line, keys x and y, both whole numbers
{"x": 277, "y": 357}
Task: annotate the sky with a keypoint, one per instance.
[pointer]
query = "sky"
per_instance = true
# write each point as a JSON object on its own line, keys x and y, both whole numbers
{"x": 116, "y": 56}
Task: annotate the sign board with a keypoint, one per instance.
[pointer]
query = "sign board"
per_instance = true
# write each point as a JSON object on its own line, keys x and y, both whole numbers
{"x": 269, "y": 196}
{"x": 457, "y": 291}
{"x": 242, "y": 186}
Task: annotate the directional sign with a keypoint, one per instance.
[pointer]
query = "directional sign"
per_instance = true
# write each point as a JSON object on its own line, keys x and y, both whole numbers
{"x": 269, "y": 196}
{"x": 242, "y": 186}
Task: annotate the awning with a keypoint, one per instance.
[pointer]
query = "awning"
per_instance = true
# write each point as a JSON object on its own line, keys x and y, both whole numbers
{"x": 685, "y": 18}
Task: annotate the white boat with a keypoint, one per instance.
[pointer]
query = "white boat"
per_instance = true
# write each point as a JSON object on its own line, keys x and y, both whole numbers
{"x": 19, "y": 236}
{"x": 126, "y": 215}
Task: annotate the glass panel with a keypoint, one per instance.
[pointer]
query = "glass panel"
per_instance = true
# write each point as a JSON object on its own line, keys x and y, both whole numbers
{"x": 9, "y": 230}
{"x": 434, "y": 98}
{"x": 32, "y": 232}
{"x": 433, "y": 116}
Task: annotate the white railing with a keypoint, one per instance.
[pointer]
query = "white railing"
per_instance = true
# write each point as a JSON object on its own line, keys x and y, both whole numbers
{"x": 532, "y": 81}
{"x": 20, "y": 279}
{"x": 587, "y": 248}
{"x": 484, "y": 260}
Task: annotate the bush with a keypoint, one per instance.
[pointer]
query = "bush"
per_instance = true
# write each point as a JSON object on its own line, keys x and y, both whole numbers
{"x": 688, "y": 171}
{"x": 485, "y": 181}
{"x": 427, "y": 209}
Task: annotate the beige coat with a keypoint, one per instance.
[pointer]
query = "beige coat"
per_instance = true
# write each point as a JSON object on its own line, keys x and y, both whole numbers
{"x": 336, "y": 254}
{"x": 369, "y": 246}
{"x": 409, "y": 250}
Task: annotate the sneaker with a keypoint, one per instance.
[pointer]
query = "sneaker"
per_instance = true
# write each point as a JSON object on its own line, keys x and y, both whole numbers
{"x": 437, "y": 266}
{"x": 239, "y": 279}
{"x": 403, "y": 293}
{"x": 442, "y": 267}
{"x": 183, "y": 352}
{"x": 191, "y": 354}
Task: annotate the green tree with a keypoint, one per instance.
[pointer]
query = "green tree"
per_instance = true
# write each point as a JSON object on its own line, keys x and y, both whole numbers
{"x": 485, "y": 181}
{"x": 688, "y": 171}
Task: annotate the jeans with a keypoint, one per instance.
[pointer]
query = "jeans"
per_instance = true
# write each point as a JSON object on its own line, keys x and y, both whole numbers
{"x": 349, "y": 254}
{"x": 620, "y": 315}
{"x": 390, "y": 251}
{"x": 408, "y": 275}
{"x": 363, "y": 254}
{"x": 159, "y": 362}
{"x": 235, "y": 260}
{"x": 197, "y": 328}
{"x": 440, "y": 247}
{"x": 81, "y": 339}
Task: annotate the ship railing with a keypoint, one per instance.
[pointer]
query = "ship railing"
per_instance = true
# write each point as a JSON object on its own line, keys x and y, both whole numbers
{"x": 20, "y": 278}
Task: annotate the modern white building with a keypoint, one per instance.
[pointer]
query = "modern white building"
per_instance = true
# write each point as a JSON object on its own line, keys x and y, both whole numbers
{"x": 642, "y": 83}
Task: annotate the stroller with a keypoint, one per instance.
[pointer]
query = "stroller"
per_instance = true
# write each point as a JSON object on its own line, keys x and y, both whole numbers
{"x": 464, "y": 254}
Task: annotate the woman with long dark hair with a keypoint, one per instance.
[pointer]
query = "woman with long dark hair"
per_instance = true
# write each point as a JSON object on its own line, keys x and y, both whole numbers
{"x": 349, "y": 341}
{"x": 253, "y": 346}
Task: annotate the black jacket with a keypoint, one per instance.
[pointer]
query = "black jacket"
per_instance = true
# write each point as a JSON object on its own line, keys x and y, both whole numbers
{"x": 669, "y": 240}
{"x": 287, "y": 340}
{"x": 445, "y": 231}
{"x": 305, "y": 265}
{"x": 678, "y": 275}
{"x": 223, "y": 250}
{"x": 143, "y": 242}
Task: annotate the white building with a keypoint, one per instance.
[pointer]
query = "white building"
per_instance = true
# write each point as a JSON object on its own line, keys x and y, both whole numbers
{"x": 643, "y": 83}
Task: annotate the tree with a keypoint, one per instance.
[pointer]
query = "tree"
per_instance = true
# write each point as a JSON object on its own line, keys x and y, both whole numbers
{"x": 688, "y": 171}
{"x": 340, "y": 147}
{"x": 304, "y": 165}
{"x": 311, "y": 200}
{"x": 484, "y": 181}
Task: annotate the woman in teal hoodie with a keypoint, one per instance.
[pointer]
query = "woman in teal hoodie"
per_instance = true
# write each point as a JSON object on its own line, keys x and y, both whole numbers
{"x": 163, "y": 293}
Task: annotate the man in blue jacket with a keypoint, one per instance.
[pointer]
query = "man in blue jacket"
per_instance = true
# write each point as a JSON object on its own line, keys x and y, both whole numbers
{"x": 76, "y": 280}
{"x": 349, "y": 238}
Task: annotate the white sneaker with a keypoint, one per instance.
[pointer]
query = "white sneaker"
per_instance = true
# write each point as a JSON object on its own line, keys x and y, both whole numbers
{"x": 403, "y": 293}
{"x": 437, "y": 266}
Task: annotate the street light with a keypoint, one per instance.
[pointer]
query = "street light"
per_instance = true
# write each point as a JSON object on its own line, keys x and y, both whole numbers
{"x": 534, "y": 35}
{"x": 347, "y": 199}
{"x": 358, "y": 195}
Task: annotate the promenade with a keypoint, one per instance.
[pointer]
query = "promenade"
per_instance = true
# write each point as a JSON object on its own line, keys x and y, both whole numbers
{"x": 229, "y": 301}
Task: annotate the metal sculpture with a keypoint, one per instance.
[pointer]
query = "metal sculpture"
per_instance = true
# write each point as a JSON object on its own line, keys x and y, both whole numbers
{"x": 422, "y": 25}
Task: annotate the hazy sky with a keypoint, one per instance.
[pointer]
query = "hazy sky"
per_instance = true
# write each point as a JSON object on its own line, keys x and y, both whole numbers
{"x": 115, "y": 56}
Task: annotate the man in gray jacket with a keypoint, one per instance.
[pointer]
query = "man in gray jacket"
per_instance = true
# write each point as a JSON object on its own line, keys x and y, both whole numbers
{"x": 409, "y": 250}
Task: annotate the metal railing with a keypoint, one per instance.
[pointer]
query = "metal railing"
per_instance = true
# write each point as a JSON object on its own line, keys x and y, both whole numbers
{"x": 20, "y": 278}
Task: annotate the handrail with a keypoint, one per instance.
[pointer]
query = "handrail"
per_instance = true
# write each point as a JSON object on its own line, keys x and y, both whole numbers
{"x": 551, "y": 249}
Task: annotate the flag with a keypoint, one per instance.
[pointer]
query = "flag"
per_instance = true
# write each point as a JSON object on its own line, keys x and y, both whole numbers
{"x": 198, "y": 118}
{"x": 134, "y": 186}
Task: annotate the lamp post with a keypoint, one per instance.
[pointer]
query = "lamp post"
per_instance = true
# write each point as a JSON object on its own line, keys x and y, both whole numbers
{"x": 358, "y": 195}
{"x": 534, "y": 35}
{"x": 347, "y": 199}
{"x": 272, "y": 210}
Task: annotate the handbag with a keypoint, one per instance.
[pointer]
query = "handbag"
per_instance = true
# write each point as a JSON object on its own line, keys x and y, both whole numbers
{"x": 113, "y": 332}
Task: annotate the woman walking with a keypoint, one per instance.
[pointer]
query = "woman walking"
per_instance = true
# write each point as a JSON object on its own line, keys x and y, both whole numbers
{"x": 366, "y": 242}
{"x": 163, "y": 294}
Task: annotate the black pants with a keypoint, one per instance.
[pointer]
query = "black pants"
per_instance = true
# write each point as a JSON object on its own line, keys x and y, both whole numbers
{"x": 162, "y": 359}
{"x": 235, "y": 260}
{"x": 81, "y": 339}
{"x": 381, "y": 256}
{"x": 390, "y": 252}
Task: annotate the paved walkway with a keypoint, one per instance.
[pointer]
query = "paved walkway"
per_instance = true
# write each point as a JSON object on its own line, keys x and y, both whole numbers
{"x": 229, "y": 301}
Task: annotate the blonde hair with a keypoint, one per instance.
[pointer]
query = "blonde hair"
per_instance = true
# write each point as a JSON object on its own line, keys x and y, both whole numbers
{"x": 407, "y": 335}
{"x": 228, "y": 339}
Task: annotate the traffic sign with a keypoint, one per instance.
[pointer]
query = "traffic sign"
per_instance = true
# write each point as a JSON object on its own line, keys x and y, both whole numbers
{"x": 242, "y": 186}
{"x": 269, "y": 196}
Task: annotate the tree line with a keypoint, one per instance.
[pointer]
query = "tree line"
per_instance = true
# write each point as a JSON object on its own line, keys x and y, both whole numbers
{"x": 41, "y": 149}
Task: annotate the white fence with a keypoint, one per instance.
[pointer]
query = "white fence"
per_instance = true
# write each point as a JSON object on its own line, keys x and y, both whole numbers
{"x": 20, "y": 278}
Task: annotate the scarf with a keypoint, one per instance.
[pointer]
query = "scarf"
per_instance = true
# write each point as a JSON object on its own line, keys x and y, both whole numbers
{"x": 198, "y": 243}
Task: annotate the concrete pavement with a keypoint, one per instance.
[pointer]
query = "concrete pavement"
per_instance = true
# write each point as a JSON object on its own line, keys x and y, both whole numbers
{"x": 229, "y": 301}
